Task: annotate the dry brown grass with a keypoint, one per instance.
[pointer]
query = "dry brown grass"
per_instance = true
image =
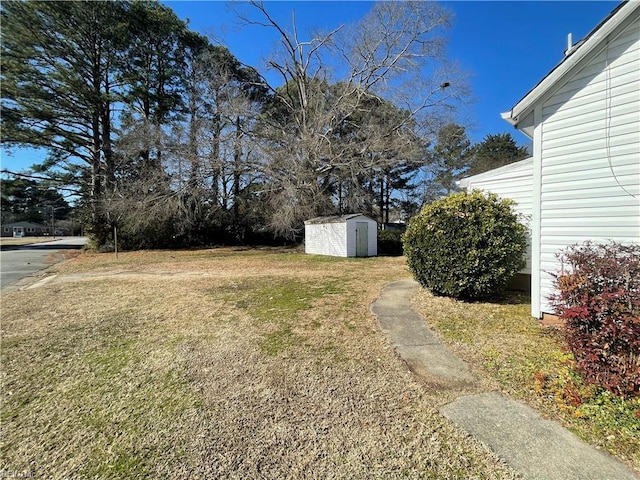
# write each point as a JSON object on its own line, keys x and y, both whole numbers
{"x": 218, "y": 364}
{"x": 24, "y": 240}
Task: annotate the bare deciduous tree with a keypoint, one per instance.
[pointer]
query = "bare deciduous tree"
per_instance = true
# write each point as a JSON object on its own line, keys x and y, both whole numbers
{"x": 324, "y": 132}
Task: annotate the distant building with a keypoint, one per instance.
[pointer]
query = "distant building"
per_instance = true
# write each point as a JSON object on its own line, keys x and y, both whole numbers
{"x": 25, "y": 229}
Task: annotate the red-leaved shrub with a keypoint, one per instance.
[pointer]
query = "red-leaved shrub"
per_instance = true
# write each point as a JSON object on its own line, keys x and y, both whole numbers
{"x": 598, "y": 296}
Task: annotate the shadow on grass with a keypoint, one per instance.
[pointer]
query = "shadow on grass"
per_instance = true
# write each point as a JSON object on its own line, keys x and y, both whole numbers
{"x": 511, "y": 298}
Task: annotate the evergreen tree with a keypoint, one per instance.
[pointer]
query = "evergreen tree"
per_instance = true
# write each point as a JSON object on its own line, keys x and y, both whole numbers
{"x": 153, "y": 81}
{"x": 65, "y": 68}
{"x": 31, "y": 201}
{"x": 495, "y": 151}
{"x": 59, "y": 66}
{"x": 449, "y": 159}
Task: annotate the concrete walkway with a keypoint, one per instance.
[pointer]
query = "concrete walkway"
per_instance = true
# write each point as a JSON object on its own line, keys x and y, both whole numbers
{"x": 536, "y": 448}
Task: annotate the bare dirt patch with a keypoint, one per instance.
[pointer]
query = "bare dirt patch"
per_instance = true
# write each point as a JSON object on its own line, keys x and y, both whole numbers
{"x": 203, "y": 365}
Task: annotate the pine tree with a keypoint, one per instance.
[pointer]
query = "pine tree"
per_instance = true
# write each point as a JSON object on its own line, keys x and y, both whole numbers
{"x": 59, "y": 65}
{"x": 450, "y": 158}
{"x": 69, "y": 70}
{"x": 153, "y": 79}
{"x": 495, "y": 151}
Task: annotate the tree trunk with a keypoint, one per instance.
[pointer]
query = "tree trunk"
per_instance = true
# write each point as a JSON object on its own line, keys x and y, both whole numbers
{"x": 97, "y": 171}
{"x": 387, "y": 200}
{"x": 381, "y": 198}
{"x": 215, "y": 158}
{"x": 237, "y": 156}
{"x": 106, "y": 140}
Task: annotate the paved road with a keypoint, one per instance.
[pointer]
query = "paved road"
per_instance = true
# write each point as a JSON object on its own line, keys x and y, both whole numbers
{"x": 18, "y": 262}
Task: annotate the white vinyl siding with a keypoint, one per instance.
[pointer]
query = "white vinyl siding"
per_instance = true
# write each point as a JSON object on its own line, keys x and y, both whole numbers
{"x": 326, "y": 239}
{"x": 514, "y": 182}
{"x": 590, "y": 155}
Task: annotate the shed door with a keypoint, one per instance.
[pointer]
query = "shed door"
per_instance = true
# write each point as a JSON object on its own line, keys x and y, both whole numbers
{"x": 362, "y": 239}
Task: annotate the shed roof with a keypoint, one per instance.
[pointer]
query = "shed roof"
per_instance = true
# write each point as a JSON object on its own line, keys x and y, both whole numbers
{"x": 573, "y": 57}
{"x": 335, "y": 219}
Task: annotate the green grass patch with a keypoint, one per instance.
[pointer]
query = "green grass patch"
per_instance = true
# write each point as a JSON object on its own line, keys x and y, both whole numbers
{"x": 277, "y": 300}
{"x": 276, "y": 342}
{"x": 92, "y": 388}
{"x": 612, "y": 414}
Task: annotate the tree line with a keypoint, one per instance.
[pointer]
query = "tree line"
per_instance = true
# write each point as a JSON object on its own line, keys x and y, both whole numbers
{"x": 172, "y": 140}
{"x": 30, "y": 201}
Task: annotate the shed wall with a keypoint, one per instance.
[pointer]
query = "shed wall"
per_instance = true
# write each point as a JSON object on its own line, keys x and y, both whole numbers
{"x": 339, "y": 238}
{"x": 589, "y": 166}
{"x": 326, "y": 239}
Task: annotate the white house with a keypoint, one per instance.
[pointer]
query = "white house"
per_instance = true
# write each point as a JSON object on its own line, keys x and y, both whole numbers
{"x": 352, "y": 235}
{"x": 515, "y": 182}
{"x": 584, "y": 120}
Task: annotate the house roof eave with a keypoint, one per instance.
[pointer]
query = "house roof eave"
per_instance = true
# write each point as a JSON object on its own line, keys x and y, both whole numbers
{"x": 515, "y": 123}
{"x": 508, "y": 117}
{"x": 579, "y": 51}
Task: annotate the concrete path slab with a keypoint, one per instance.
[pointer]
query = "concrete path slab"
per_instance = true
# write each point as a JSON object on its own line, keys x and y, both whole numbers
{"x": 410, "y": 336}
{"x": 536, "y": 448}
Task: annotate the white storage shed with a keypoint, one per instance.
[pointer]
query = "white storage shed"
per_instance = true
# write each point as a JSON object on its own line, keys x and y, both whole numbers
{"x": 352, "y": 235}
{"x": 583, "y": 118}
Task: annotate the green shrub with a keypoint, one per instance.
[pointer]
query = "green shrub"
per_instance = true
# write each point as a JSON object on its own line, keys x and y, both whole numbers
{"x": 598, "y": 296}
{"x": 390, "y": 242}
{"x": 465, "y": 246}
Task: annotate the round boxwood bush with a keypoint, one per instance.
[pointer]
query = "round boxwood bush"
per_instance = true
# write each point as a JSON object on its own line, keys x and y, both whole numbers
{"x": 466, "y": 246}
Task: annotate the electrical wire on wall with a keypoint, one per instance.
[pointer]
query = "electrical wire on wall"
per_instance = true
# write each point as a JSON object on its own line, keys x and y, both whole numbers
{"x": 607, "y": 132}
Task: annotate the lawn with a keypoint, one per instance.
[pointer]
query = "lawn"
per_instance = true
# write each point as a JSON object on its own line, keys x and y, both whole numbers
{"x": 223, "y": 363}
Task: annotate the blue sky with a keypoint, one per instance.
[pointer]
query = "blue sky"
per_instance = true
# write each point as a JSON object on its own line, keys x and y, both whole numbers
{"x": 506, "y": 46}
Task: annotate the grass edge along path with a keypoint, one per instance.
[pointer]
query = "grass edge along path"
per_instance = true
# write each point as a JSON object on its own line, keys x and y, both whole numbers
{"x": 530, "y": 363}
